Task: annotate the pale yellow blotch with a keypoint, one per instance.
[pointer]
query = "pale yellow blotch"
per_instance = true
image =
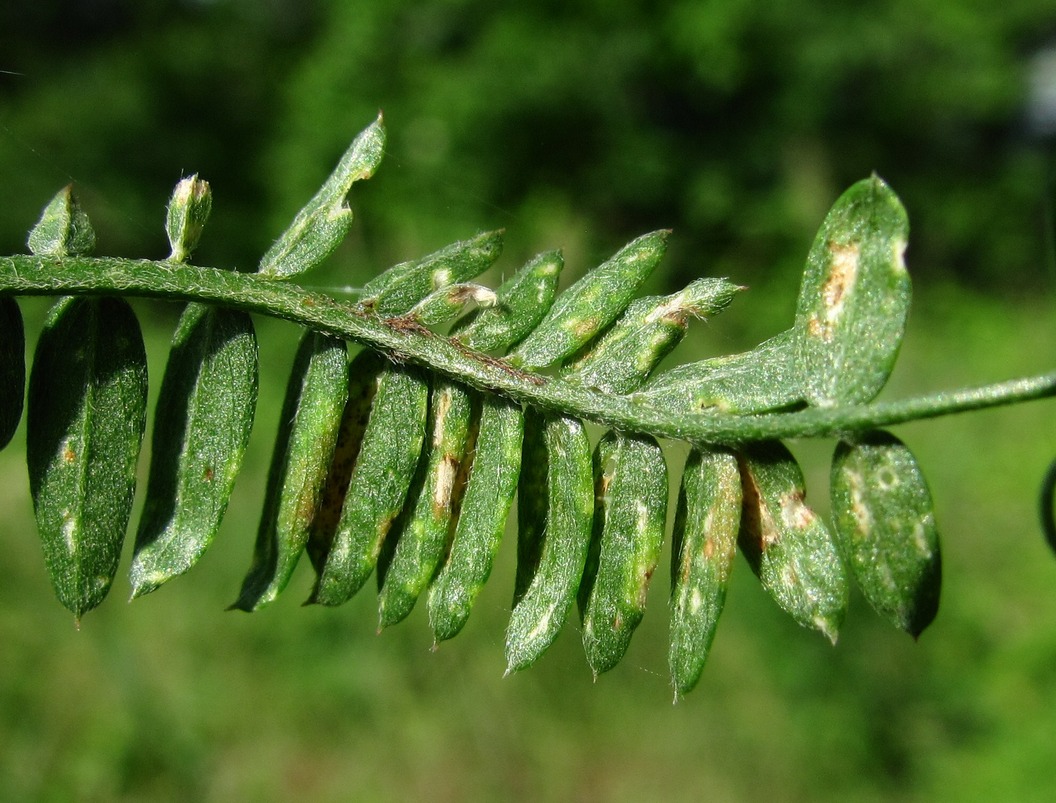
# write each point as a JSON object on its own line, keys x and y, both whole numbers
{"x": 794, "y": 512}
{"x": 643, "y": 516}
{"x": 709, "y": 520}
{"x": 446, "y": 472}
{"x": 442, "y": 278}
{"x": 69, "y": 531}
{"x": 887, "y": 577}
{"x": 695, "y": 601}
{"x": 544, "y": 623}
{"x": 768, "y": 530}
{"x": 443, "y": 407}
{"x": 920, "y": 539}
{"x": 862, "y": 515}
{"x": 887, "y": 479}
{"x": 669, "y": 309}
{"x": 483, "y": 296}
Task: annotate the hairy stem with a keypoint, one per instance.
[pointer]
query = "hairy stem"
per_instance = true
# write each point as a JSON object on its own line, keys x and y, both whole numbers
{"x": 405, "y": 340}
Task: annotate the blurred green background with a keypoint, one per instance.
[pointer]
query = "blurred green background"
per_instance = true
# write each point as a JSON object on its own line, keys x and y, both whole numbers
{"x": 573, "y": 125}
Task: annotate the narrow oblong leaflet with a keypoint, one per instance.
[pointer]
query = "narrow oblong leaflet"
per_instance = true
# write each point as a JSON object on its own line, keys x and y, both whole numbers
{"x": 763, "y": 379}
{"x": 304, "y": 449}
{"x": 630, "y": 511}
{"x": 381, "y": 477}
{"x": 786, "y": 543}
{"x": 591, "y": 304}
{"x": 402, "y": 286}
{"x": 87, "y": 411}
{"x": 201, "y": 426}
{"x": 885, "y": 522}
{"x": 63, "y": 228}
{"x": 326, "y": 219}
{"x": 702, "y": 552}
{"x": 521, "y": 302}
{"x": 624, "y": 355}
{"x": 361, "y": 385}
{"x": 424, "y": 529}
{"x": 494, "y": 455}
{"x": 496, "y": 467}
{"x": 188, "y": 211}
{"x": 555, "y": 559}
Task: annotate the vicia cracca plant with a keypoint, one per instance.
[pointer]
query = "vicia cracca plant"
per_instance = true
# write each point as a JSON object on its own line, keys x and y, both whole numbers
{"x": 417, "y": 410}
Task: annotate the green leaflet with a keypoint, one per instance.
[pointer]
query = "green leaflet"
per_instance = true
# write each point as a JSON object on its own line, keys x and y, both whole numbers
{"x": 12, "y": 368}
{"x": 591, "y": 304}
{"x": 630, "y": 475}
{"x": 383, "y": 471}
{"x": 323, "y": 223}
{"x": 402, "y": 286}
{"x": 362, "y": 382}
{"x": 355, "y": 484}
{"x": 855, "y": 296}
{"x": 763, "y": 379}
{"x": 495, "y": 452}
{"x": 87, "y": 408}
{"x": 885, "y": 522}
{"x": 787, "y": 545}
{"x": 188, "y": 211}
{"x": 553, "y": 560}
{"x": 489, "y": 492}
{"x": 448, "y": 302}
{"x": 424, "y": 530}
{"x": 630, "y": 510}
{"x": 63, "y": 228}
{"x": 533, "y": 502}
{"x": 201, "y": 426}
{"x": 628, "y": 351}
{"x": 521, "y": 303}
{"x": 702, "y": 552}
{"x": 304, "y": 449}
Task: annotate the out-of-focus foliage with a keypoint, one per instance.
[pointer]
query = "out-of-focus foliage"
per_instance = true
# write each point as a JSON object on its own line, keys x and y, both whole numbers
{"x": 736, "y": 123}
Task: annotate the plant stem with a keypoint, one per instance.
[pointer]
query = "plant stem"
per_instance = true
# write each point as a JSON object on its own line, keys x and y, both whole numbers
{"x": 405, "y": 340}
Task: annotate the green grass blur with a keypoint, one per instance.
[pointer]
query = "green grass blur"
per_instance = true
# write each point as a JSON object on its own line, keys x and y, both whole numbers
{"x": 575, "y": 126}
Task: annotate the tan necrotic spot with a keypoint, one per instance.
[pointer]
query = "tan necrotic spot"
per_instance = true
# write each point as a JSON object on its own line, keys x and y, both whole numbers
{"x": 843, "y": 272}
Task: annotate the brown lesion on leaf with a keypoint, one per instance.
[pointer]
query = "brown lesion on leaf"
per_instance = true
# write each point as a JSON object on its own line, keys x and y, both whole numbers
{"x": 327, "y": 510}
{"x": 844, "y": 271}
{"x": 601, "y": 488}
{"x": 68, "y": 455}
{"x": 758, "y": 531}
{"x": 446, "y": 478}
{"x": 407, "y": 325}
{"x": 381, "y": 532}
{"x": 307, "y": 506}
{"x": 844, "y": 259}
{"x": 441, "y": 407}
{"x": 584, "y": 327}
